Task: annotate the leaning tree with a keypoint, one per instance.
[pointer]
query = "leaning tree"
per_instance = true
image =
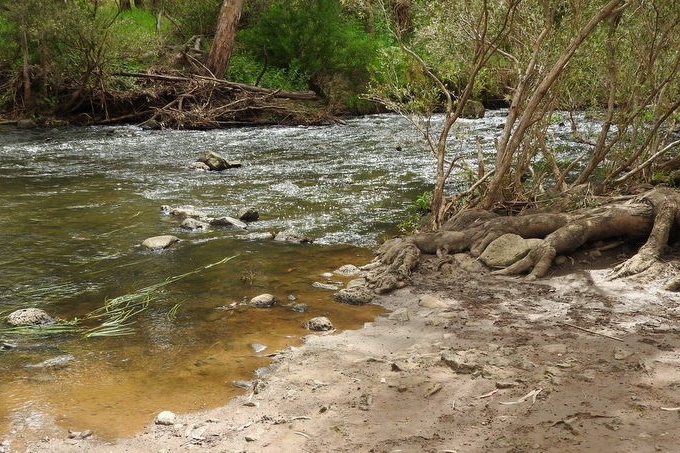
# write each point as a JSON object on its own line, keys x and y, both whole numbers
{"x": 555, "y": 57}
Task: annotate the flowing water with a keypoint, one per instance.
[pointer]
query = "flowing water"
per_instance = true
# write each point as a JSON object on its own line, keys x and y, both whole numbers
{"x": 76, "y": 202}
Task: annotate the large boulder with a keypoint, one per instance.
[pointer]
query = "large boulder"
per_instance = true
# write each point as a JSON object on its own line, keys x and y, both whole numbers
{"x": 29, "y": 317}
{"x": 217, "y": 162}
{"x": 507, "y": 250}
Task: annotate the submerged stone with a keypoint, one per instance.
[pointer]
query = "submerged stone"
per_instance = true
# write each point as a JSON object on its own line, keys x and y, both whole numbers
{"x": 29, "y": 317}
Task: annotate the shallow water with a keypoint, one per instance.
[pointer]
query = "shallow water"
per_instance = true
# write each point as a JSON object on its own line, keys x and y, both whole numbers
{"x": 76, "y": 202}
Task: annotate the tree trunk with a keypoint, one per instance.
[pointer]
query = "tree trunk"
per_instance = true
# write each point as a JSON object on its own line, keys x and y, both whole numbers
{"x": 25, "y": 73}
{"x": 125, "y": 5}
{"x": 223, "y": 43}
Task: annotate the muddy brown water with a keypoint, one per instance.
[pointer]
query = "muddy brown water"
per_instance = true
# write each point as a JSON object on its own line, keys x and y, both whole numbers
{"x": 76, "y": 202}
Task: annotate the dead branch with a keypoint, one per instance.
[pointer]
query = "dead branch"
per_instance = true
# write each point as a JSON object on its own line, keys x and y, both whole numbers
{"x": 296, "y": 95}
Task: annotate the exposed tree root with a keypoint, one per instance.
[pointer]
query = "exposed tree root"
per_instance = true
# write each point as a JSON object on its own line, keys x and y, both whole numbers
{"x": 651, "y": 215}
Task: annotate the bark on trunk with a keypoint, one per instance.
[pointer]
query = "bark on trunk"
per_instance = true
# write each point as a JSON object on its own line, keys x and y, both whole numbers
{"x": 223, "y": 44}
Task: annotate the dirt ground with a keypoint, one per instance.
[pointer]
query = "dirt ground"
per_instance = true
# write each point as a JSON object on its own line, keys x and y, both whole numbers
{"x": 464, "y": 362}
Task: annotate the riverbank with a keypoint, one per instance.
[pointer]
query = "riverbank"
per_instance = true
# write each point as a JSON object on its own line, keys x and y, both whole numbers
{"x": 463, "y": 362}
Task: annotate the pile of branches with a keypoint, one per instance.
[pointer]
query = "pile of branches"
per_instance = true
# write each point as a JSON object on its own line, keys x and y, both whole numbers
{"x": 199, "y": 102}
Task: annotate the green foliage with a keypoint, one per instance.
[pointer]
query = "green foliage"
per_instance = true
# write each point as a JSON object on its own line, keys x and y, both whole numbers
{"x": 415, "y": 213}
{"x": 309, "y": 39}
{"x": 246, "y": 69}
{"x": 194, "y": 18}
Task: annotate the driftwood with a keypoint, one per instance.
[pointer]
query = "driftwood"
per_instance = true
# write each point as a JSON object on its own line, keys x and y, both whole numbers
{"x": 650, "y": 217}
{"x": 179, "y": 101}
{"x": 297, "y": 95}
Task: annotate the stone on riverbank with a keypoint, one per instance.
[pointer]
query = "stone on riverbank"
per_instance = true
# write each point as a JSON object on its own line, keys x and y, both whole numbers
{"x": 166, "y": 418}
{"x": 358, "y": 295}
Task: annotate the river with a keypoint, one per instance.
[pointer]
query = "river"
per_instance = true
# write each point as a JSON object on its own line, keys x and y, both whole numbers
{"x": 77, "y": 202}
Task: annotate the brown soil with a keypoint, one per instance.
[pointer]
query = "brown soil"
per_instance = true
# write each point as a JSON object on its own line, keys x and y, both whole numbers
{"x": 503, "y": 366}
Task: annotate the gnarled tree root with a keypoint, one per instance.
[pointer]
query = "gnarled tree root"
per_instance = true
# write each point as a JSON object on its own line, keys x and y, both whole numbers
{"x": 650, "y": 216}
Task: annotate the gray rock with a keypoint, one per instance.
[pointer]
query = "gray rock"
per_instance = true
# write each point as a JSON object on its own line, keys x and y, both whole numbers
{"x": 258, "y": 347}
{"x": 299, "y": 307}
{"x": 192, "y": 224}
{"x": 248, "y": 214}
{"x": 430, "y": 301}
{"x": 29, "y": 317}
{"x": 199, "y": 166}
{"x": 166, "y": 418}
{"x": 229, "y": 222}
{"x": 259, "y": 236}
{"x": 185, "y": 212}
{"x": 55, "y": 363}
{"x": 217, "y": 162}
{"x": 347, "y": 269}
{"x": 358, "y": 295}
{"x": 160, "y": 242}
{"x": 291, "y": 236}
{"x": 462, "y": 362}
{"x": 507, "y": 250}
{"x": 263, "y": 301}
{"x": 319, "y": 324}
{"x": 328, "y": 286}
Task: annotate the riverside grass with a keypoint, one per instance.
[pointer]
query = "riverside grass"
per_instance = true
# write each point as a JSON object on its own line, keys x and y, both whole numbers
{"x": 117, "y": 314}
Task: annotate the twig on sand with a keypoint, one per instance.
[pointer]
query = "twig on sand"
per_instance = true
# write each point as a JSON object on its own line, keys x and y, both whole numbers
{"x": 670, "y": 408}
{"x": 591, "y": 331}
{"x": 532, "y": 394}
{"x": 300, "y": 433}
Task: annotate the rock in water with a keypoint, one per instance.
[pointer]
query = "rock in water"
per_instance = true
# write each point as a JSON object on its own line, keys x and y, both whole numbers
{"x": 159, "y": 242}
{"x": 263, "y": 301}
{"x": 248, "y": 214}
{"x": 227, "y": 221}
{"x": 357, "y": 295}
{"x": 319, "y": 324}
{"x": 217, "y": 162}
{"x": 29, "y": 317}
{"x": 56, "y": 363}
{"x": 292, "y": 236}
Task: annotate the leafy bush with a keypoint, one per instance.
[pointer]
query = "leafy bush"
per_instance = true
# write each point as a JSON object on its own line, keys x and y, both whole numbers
{"x": 310, "y": 39}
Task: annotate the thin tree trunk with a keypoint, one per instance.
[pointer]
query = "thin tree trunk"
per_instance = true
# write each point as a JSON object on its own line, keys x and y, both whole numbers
{"x": 223, "y": 44}
{"x": 26, "y": 76}
{"x": 531, "y": 113}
